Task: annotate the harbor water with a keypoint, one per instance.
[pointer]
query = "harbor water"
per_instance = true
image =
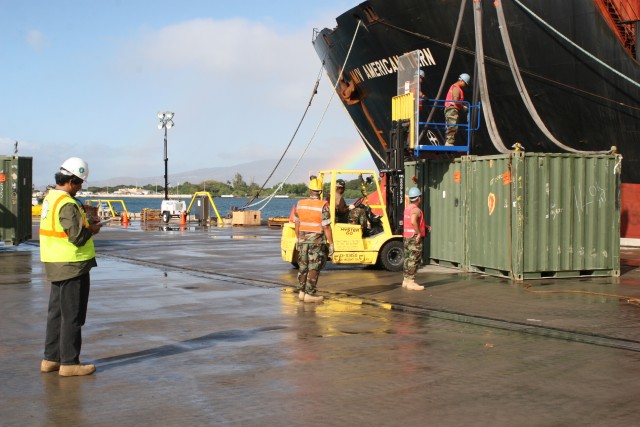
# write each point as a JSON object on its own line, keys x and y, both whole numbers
{"x": 275, "y": 207}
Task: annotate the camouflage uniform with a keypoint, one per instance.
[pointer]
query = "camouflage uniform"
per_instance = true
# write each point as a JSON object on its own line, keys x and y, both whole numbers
{"x": 310, "y": 255}
{"x": 358, "y": 216}
{"x": 451, "y": 115}
{"x": 412, "y": 256}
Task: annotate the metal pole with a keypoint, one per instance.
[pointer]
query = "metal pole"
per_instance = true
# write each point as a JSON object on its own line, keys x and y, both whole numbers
{"x": 636, "y": 38}
{"x": 166, "y": 167}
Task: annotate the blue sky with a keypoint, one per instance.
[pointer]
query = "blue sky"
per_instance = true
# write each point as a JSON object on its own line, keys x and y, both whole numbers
{"x": 86, "y": 78}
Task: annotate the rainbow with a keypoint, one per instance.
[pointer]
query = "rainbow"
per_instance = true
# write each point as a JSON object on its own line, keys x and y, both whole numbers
{"x": 354, "y": 157}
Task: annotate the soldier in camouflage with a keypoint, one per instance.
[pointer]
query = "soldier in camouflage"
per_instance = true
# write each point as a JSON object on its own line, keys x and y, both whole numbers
{"x": 313, "y": 230}
{"x": 414, "y": 231}
{"x": 357, "y": 215}
{"x": 454, "y": 106}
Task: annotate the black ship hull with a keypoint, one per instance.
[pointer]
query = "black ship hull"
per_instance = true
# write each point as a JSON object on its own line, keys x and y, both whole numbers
{"x": 585, "y": 104}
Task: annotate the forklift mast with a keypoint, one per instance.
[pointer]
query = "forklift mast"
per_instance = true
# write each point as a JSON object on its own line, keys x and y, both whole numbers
{"x": 395, "y": 175}
{"x": 404, "y": 134}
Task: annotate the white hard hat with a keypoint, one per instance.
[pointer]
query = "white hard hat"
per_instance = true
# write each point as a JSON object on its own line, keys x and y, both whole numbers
{"x": 75, "y": 166}
{"x": 465, "y": 78}
{"x": 414, "y": 193}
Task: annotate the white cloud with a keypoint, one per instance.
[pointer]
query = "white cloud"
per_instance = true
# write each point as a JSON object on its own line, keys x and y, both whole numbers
{"x": 234, "y": 48}
{"x": 36, "y": 40}
{"x": 238, "y": 89}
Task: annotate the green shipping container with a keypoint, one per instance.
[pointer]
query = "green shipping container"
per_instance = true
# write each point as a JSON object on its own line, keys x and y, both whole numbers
{"x": 527, "y": 215}
{"x": 15, "y": 199}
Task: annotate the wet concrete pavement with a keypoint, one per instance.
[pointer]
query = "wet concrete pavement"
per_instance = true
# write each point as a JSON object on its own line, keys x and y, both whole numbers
{"x": 201, "y": 327}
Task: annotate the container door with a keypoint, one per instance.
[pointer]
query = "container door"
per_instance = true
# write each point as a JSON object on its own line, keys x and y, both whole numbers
{"x": 489, "y": 220}
{"x": 572, "y": 215}
{"x": 444, "y": 211}
{"x": 15, "y": 199}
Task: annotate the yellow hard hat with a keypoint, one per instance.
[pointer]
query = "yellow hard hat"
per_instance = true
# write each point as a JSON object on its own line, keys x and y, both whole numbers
{"x": 315, "y": 184}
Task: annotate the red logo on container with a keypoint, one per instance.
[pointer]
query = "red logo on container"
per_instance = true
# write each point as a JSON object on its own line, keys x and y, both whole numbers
{"x": 506, "y": 178}
{"x": 491, "y": 202}
{"x": 456, "y": 176}
{"x": 3, "y": 177}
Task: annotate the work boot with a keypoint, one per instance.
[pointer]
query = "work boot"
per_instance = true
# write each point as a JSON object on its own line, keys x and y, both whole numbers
{"x": 301, "y": 295}
{"x": 413, "y": 286}
{"x": 76, "y": 370}
{"x": 405, "y": 282}
{"x": 49, "y": 366}
{"x": 313, "y": 298}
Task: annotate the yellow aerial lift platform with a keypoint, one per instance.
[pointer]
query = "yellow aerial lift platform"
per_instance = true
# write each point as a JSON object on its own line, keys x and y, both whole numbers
{"x": 370, "y": 243}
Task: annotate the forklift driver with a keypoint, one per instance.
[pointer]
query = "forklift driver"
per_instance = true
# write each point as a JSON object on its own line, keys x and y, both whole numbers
{"x": 342, "y": 210}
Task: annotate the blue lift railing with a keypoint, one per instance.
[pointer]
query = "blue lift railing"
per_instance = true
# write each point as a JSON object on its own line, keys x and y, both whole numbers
{"x": 468, "y": 126}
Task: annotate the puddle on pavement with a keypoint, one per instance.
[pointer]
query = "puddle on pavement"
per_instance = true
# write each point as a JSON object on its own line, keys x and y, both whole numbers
{"x": 177, "y": 228}
{"x": 237, "y": 237}
{"x": 373, "y": 289}
{"x": 335, "y": 317}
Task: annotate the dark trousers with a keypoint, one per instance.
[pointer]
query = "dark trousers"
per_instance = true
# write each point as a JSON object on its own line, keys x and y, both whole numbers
{"x": 67, "y": 312}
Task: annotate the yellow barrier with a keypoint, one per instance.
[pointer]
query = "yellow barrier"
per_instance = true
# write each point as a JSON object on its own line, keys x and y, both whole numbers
{"x": 403, "y": 108}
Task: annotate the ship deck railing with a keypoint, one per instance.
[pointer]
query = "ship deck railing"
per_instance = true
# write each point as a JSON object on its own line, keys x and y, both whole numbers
{"x": 470, "y": 126}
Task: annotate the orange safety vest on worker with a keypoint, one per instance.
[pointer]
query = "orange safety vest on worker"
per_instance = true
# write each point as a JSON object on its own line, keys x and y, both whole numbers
{"x": 54, "y": 241}
{"x": 408, "y": 230}
{"x": 310, "y": 215}
{"x": 456, "y": 105}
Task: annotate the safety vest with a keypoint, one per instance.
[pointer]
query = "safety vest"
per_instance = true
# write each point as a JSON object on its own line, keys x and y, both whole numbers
{"x": 408, "y": 230}
{"x": 310, "y": 215}
{"x": 54, "y": 242}
{"x": 450, "y": 96}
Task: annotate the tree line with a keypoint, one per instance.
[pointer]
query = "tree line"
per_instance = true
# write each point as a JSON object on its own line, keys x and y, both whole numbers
{"x": 236, "y": 187}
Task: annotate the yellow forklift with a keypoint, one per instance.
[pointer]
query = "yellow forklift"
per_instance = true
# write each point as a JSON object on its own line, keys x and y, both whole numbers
{"x": 371, "y": 242}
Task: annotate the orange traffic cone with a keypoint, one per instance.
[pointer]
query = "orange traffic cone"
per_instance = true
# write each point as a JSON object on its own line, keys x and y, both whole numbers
{"x": 183, "y": 218}
{"x": 125, "y": 218}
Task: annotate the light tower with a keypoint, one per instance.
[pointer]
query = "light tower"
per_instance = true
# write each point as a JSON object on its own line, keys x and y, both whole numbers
{"x": 166, "y": 122}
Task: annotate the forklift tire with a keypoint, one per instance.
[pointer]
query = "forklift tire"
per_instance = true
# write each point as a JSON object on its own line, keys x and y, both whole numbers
{"x": 391, "y": 256}
{"x": 166, "y": 217}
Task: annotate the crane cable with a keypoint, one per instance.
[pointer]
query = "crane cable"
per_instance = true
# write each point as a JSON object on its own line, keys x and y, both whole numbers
{"x": 273, "y": 194}
{"x": 563, "y": 37}
{"x": 313, "y": 94}
{"x": 454, "y": 45}
{"x": 452, "y": 51}
{"x": 524, "y": 94}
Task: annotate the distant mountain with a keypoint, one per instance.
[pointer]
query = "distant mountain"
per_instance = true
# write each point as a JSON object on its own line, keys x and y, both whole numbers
{"x": 256, "y": 171}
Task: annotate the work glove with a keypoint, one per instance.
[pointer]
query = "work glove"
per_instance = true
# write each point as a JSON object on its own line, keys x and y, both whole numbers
{"x": 330, "y": 249}
{"x": 352, "y": 207}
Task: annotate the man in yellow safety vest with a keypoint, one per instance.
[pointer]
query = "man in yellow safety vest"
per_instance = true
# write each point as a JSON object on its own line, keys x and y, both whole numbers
{"x": 68, "y": 254}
